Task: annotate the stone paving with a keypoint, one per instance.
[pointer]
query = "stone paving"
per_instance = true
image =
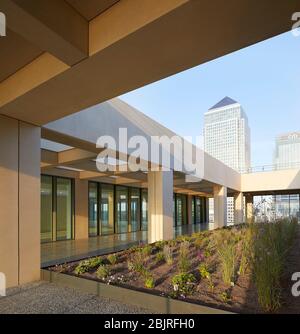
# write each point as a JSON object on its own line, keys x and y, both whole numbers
{"x": 43, "y": 298}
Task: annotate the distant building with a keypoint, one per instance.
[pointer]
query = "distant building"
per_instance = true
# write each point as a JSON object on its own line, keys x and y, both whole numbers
{"x": 287, "y": 151}
{"x": 227, "y": 138}
{"x": 227, "y": 134}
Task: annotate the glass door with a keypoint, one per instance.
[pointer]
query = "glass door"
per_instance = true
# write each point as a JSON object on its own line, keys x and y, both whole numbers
{"x": 134, "y": 209}
{"x": 107, "y": 209}
{"x": 122, "y": 209}
{"x": 64, "y": 208}
{"x": 46, "y": 208}
{"x": 93, "y": 209}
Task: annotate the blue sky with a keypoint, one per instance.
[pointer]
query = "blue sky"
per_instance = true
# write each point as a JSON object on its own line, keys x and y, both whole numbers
{"x": 264, "y": 78}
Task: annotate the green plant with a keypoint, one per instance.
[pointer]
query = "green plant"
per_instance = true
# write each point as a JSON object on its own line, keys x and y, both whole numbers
{"x": 225, "y": 297}
{"x": 160, "y": 244}
{"x": 103, "y": 272}
{"x": 160, "y": 257}
{"x": 149, "y": 282}
{"x": 203, "y": 270}
{"x": 146, "y": 250}
{"x": 86, "y": 265}
{"x": 183, "y": 283}
{"x": 246, "y": 251}
{"x": 112, "y": 258}
{"x": 227, "y": 256}
{"x": 184, "y": 264}
{"x": 168, "y": 254}
{"x": 136, "y": 262}
{"x": 271, "y": 242}
{"x": 172, "y": 243}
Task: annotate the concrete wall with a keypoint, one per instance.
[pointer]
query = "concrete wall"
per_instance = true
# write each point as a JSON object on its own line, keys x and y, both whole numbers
{"x": 271, "y": 181}
{"x": 19, "y": 201}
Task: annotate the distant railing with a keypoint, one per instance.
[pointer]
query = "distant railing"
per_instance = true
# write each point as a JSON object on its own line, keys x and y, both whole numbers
{"x": 270, "y": 168}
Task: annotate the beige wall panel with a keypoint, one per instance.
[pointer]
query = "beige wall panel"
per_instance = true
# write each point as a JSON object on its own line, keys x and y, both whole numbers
{"x": 9, "y": 199}
{"x": 29, "y": 202}
{"x": 81, "y": 209}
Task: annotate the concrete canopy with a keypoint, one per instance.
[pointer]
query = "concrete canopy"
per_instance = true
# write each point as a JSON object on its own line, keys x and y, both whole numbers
{"x": 77, "y": 60}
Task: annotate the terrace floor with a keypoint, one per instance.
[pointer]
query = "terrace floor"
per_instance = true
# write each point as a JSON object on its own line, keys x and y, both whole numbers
{"x": 71, "y": 250}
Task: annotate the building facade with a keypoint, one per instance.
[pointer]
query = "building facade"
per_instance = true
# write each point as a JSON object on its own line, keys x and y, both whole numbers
{"x": 287, "y": 150}
{"x": 227, "y": 134}
{"x": 227, "y": 138}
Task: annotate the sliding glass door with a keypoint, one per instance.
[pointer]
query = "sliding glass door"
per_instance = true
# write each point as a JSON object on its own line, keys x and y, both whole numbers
{"x": 135, "y": 209}
{"x": 107, "y": 209}
{"x": 93, "y": 209}
{"x": 46, "y": 209}
{"x": 122, "y": 209}
{"x": 57, "y": 208}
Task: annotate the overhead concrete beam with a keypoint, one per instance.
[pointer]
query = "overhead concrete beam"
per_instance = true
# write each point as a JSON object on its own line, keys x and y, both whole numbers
{"x": 52, "y": 25}
{"x": 173, "y": 40}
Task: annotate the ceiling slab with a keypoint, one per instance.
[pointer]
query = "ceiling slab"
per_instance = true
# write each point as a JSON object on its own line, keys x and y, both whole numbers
{"x": 91, "y": 8}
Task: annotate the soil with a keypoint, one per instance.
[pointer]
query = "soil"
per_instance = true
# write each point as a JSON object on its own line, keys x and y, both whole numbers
{"x": 242, "y": 295}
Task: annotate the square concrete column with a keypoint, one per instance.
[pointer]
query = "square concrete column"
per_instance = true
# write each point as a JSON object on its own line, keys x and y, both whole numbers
{"x": 238, "y": 208}
{"x": 81, "y": 209}
{"x": 160, "y": 205}
{"x": 220, "y": 206}
{"x": 190, "y": 209}
{"x": 19, "y": 201}
{"x": 249, "y": 209}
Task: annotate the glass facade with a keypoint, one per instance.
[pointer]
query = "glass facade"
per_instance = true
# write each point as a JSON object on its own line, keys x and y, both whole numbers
{"x": 144, "y": 210}
{"x": 122, "y": 212}
{"x": 57, "y": 208}
{"x": 271, "y": 207}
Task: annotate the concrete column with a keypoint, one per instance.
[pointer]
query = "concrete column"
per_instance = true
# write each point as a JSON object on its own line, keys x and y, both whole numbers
{"x": 81, "y": 209}
{"x": 220, "y": 206}
{"x": 238, "y": 208}
{"x": 249, "y": 209}
{"x": 19, "y": 201}
{"x": 160, "y": 205}
{"x": 190, "y": 209}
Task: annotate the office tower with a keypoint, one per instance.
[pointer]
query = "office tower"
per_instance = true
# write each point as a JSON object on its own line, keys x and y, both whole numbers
{"x": 287, "y": 151}
{"x": 227, "y": 138}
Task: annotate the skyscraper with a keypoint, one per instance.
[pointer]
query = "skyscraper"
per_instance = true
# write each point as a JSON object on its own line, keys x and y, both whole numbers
{"x": 227, "y": 134}
{"x": 287, "y": 151}
{"x": 227, "y": 138}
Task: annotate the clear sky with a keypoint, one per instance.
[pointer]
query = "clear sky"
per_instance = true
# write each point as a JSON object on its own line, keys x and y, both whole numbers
{"x": 263, "y": 78}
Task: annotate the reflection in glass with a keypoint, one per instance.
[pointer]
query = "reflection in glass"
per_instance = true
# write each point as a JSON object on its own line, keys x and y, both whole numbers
{"x": 282, "y": 206}
{"x": 144, "y": 209}
{"x": 63, "y": 209}
{"x": 134, "y": 209}
{"x": 107, "y": 209}
{"x": 122, "y": 209}
{"x": 181, "y": 209}
{"x": 197, "y": 210}
{"x": 294, "y": 206}
{"x": 46, "y": 209}
{"x": 93, "y": 209}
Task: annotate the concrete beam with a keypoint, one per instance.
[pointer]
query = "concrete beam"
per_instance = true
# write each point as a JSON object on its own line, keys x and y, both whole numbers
{"x": 52, "y": 25}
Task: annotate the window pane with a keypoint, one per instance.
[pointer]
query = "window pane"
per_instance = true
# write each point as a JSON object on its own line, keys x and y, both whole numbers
{"x": 135, "y": 209}
{"x": 181, "y": 210}
{"x": 282, "y": 206}
{"x": 46, "y": 209}
{"x": 144, "y": 210}
{"x": 64, "y": 209}
{"x": 198, "y": 209}
{"x": 294, "y": 206}
{"x": 122, "y": 209}
{"x": 107, "y": 209}
{"x": 93, "y": 209}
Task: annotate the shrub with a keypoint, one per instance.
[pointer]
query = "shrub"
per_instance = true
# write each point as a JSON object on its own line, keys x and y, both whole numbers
{"x": 227, "y": 256}
{"x": 86, "y": 265}
{"x": 203, "y": 270}
{"x": 103, "y": 272}
{"x": 184, "y": 263}
{"x": 246, "y": 252}
{"x": 146, "y": 250}
{"x": 160, "y": 257}
{"x": 183, "y": 284}
{"x": 160, "y": 244}
{"x": 112, "y": 258}
{"x": 149, "y": 282}
{"x": 225, "y": 297}
{"x": 136, "y": 262}
{"x": 168, "y": 254}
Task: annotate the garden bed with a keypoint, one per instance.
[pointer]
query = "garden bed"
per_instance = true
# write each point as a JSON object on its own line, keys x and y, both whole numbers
{"x": 228, "y": 268}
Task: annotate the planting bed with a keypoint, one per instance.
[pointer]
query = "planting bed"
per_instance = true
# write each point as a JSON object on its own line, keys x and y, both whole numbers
{"x": 236, "y": 269}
